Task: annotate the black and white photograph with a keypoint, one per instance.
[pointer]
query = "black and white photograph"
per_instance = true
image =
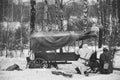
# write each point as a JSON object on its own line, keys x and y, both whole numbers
{"x": 59, "y": 39}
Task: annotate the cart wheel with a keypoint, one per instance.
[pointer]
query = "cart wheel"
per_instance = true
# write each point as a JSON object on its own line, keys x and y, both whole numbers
{"x": 42, "y": 63}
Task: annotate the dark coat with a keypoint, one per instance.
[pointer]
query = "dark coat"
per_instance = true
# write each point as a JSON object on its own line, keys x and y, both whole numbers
{"x": 93, "y": 63}
{"x": 105, "y": 57}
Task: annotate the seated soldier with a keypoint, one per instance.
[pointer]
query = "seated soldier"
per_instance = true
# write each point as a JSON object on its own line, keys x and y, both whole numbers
{"x": 85, "y": 52}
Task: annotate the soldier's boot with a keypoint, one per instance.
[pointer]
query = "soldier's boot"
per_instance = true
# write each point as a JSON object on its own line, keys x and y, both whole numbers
{"x": 86, "y": 73}
{"x": 78, "y": 71}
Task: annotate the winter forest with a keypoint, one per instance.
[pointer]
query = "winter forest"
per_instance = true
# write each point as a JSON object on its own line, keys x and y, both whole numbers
{"x": 59, "y": 39}
{"x": 15, "y": 20}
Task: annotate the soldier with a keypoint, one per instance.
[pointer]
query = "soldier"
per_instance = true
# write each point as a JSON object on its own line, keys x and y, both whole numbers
{"x": 85, "y": 52}
{"x": 29, "y": 58}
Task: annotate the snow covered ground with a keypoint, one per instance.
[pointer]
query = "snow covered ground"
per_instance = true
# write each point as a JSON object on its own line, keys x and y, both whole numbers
{"x": 6, "y": 62}
{"x": 45, "y": 74}
{"x": 116, "y": 60}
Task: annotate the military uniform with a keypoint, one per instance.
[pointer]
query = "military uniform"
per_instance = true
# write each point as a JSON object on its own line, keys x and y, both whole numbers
{"x": 84, "y": 54}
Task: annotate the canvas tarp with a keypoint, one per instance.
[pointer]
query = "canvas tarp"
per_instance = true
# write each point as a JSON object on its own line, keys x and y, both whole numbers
{"x": 43, "y": 41}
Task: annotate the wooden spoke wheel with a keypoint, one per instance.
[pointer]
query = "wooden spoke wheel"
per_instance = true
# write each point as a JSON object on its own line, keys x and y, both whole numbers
{"x": 41, "y": 63}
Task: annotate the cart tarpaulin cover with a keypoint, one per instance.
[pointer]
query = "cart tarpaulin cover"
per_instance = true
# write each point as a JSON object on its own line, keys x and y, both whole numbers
{"x": 43, "y": 41}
